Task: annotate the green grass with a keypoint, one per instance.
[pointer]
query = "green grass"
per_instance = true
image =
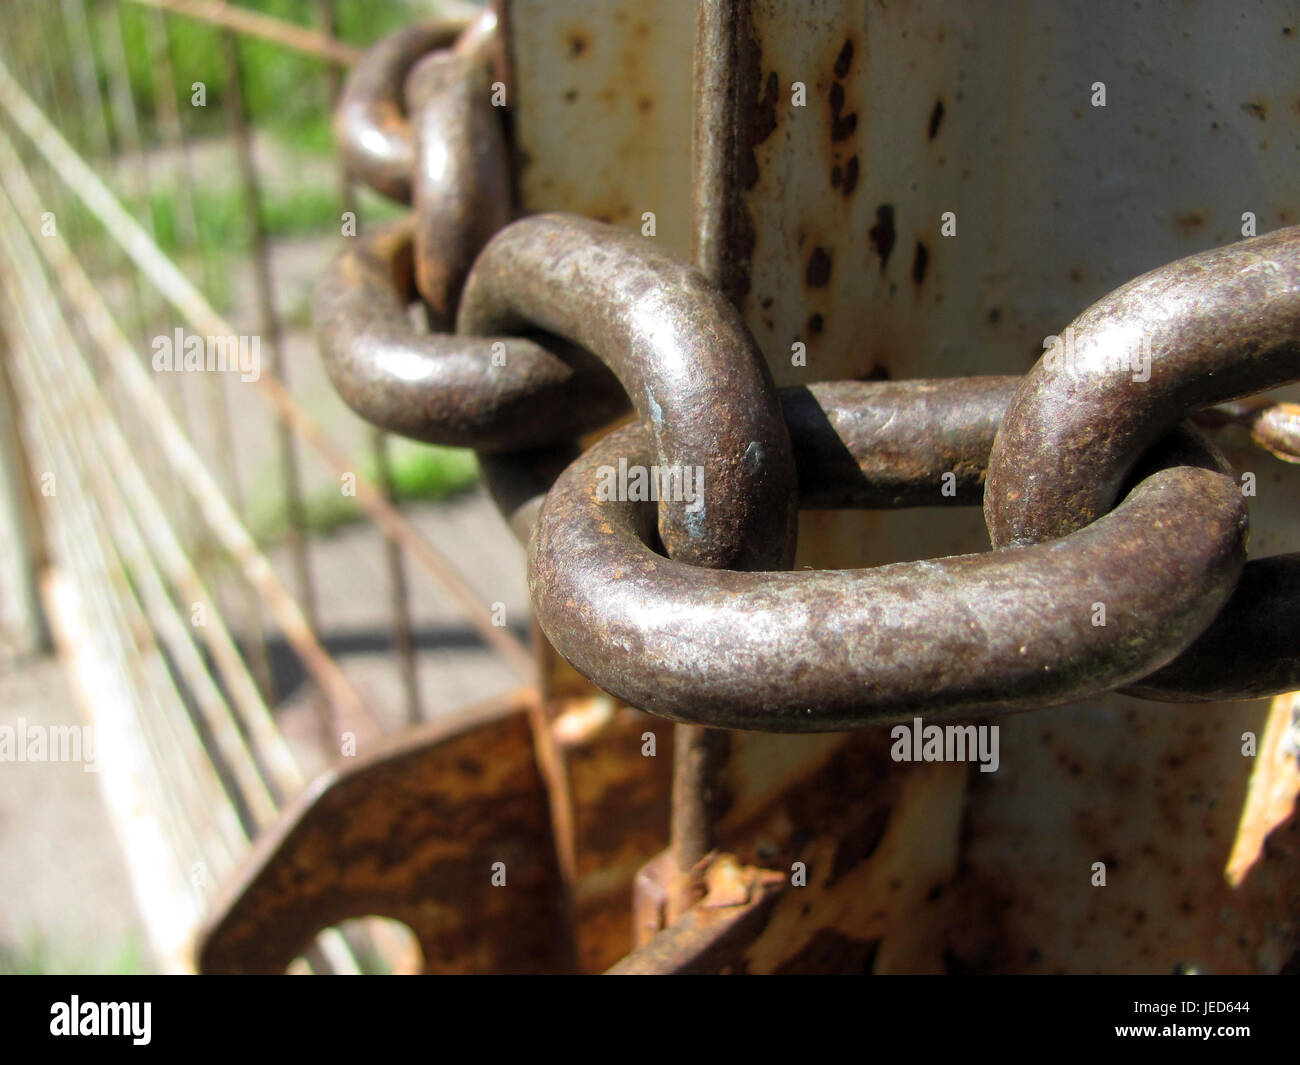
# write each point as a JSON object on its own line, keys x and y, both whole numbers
{"x": 40, "y": 956}
{"x": 419, "y": 471}
{"x": 283, "y": 89}
{"x": 219, "y": 215}
{"x": 302, "y": 209}
{"x": 286, "y": 96}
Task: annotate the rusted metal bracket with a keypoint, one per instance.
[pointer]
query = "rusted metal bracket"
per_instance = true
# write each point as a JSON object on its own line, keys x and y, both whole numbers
{"x": 413, "y": 832}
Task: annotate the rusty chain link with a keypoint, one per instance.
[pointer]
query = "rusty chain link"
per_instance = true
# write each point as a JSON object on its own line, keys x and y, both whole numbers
{"x": 1098, "y": 491}
{"x": 834, "y": 649}
{"x": 1213, "y": 327}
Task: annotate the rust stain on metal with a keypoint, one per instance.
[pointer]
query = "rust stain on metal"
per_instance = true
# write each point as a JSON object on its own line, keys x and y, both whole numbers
{"x": 735, "y": 111}
{"x": 577, "y": 43}
{"x": 614, "y": 801}
{"x": 936, "y": 119}
{"x": 843, "y": 125}
{"x": 1274, "y": 788}
{"x": 920, "y": 260}
{"x": 844, "y": 60}
{"x": 1189, "y": 222}
{"x": 850, "y": 176}
{"x": 1165, "y": 839}
{"x": 882, "y": 234}
{"x": 412, "y": 832}
{"x": 819, "y": 268}
{"x": 712, "y": 935}
{"x": 831, "y": 951}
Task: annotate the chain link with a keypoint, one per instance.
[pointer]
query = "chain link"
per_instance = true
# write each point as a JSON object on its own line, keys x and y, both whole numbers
{"x": 1098, "y": 493}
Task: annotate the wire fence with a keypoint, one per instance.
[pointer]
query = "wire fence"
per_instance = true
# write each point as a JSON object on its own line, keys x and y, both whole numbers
{"x": 161, "y": 596}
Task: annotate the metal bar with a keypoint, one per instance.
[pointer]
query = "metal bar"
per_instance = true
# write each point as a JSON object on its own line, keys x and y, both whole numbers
{"x": 138, "y": 190}
{"x": 174, "y": 137}
{"x": 127, "y": 770}
{"x": 399, "y": 600}
{"x": 114, "y": 458}
{"x": 204, "y": 816}
{"x": 96, "y": 117}
{"x": 178, "y": 450}
{"x": 399, "y": 592}
{"x": 186, "y": 298}
{"x": 270, "y": 327}
{"x": 332, "y": 953}
{"x": 267, "y": 27}
{"x": 81, "y": 543}
{"x": 700, "y": 754}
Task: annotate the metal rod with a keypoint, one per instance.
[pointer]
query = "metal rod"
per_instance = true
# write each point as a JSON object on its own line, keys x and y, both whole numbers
{"x": 18, "y": 477}
{"x": 267, "y": 27}
{"x": 403, "y": 643}
{"x": 272, "y": 752}
{"x": 272, "y": 335}
{"x": 178, "y": 290}
{"x": 399, "y": 590}
{"x": 96, "y": 117}
{"x": 173, "y": 130}
{"x": 225, "y": 525}
{"x": 700, "y": 754}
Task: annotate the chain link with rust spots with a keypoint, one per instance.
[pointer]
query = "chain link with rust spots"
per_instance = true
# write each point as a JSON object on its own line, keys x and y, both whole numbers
{"x": 1098, "y": 491}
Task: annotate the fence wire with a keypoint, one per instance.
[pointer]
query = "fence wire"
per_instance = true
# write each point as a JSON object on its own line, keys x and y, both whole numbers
{"x": 158, "y": 595}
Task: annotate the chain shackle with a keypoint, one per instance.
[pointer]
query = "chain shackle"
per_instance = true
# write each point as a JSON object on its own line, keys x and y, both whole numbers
{"x": 827, "y": 650}
{"x": 1209, "y": 328}
{"x": 684, "y": 357}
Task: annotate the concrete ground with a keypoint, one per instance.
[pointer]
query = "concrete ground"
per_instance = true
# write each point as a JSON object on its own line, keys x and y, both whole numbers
{"x": 67, "y": 904}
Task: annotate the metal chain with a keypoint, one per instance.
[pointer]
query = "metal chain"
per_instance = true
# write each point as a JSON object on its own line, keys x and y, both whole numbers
{"x": 1098, "y": 494}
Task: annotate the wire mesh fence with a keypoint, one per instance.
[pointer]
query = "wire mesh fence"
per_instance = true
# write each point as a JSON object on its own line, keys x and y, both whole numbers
{"x": 166, "y": 195}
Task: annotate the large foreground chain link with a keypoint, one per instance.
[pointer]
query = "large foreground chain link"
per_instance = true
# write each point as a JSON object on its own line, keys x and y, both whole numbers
{"x": 1098, "y": 492}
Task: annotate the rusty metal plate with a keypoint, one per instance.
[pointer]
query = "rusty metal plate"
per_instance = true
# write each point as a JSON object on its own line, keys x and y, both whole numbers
{"x": 413, "y": 832}
{"x": 608, "y": 769}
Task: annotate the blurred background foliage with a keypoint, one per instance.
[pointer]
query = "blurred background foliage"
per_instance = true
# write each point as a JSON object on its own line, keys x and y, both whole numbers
{"x": 286, "y": 99}
{"x": 203, "y": 220}
{"x": 274, "y": 77}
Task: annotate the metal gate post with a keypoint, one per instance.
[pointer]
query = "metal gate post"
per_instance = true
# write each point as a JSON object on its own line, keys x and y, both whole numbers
{"x": 930, "y": 190}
